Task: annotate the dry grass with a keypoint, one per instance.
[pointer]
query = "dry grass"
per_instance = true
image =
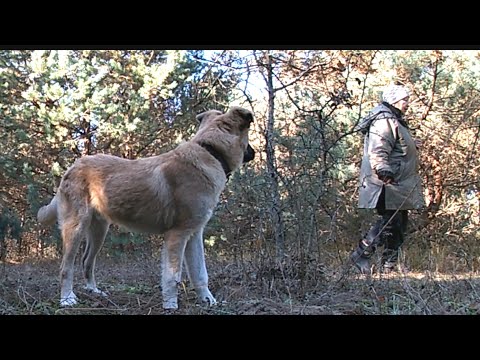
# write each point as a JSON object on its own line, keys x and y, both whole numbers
{"x": 31, "y": 287}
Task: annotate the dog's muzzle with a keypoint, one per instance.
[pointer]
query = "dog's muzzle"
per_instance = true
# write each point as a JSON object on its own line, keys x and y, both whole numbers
{"x": 249, "y": 154}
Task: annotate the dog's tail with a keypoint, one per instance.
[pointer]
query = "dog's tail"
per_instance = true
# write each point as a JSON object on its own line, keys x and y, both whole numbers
{"x": 47, "y": 215}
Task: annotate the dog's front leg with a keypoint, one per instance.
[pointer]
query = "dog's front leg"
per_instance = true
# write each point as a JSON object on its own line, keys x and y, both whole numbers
{"x": 196, "y": 268}
{"x": 172, "y": 258}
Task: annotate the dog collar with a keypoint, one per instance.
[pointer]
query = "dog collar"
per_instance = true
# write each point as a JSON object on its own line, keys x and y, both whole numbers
{"x": 219, "y": 157}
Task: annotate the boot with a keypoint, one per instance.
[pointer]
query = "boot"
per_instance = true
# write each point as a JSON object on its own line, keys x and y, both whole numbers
{"x": 389, "y": 261}
{"x": 361, "y": 259}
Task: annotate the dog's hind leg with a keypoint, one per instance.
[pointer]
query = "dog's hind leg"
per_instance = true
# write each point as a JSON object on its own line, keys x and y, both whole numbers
{"x": 172, "y": 260}
{"x": 73, "y": 230}
{"x": 95, "y": 237}
{"x": 196, "y": 268}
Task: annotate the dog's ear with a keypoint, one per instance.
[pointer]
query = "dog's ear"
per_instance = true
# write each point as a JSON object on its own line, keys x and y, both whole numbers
{"x": 200, "y": 117}
{"x": 244, "y": 114}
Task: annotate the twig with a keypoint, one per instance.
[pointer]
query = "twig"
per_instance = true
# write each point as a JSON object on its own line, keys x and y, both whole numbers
{"x": 415, "y": 295}
{"x": 87, "y": 309}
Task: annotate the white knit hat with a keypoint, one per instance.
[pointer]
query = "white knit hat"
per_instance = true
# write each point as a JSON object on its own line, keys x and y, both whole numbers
{"x": 393, "y": 93}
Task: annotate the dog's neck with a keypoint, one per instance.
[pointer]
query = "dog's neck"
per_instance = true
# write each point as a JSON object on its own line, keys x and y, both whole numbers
{"x": 219, "y": 157}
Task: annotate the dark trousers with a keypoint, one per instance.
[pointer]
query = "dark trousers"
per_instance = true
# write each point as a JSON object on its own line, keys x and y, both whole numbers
{"x": 394, "y": 225}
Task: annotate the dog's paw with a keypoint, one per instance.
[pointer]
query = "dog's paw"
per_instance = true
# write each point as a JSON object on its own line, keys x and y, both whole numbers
{"x": 210, "y": 300}
{"x": 69, "y": 300}
{"x": 171, "y": 304}
{"x": 205, "y": 295}
{"x": 95, "y": 290}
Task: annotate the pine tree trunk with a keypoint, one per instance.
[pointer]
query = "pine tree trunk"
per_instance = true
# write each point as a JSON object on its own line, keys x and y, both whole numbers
{"x": 278, "y": 226}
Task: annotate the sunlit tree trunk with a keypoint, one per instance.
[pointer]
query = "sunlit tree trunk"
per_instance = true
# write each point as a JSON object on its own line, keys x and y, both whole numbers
{"x": 278, "y": 226}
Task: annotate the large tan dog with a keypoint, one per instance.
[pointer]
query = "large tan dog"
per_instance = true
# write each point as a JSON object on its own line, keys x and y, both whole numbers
{"x": 174, "y": 193}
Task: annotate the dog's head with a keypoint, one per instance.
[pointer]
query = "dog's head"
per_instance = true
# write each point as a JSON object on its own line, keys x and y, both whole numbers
{"x": 227, "y": 133}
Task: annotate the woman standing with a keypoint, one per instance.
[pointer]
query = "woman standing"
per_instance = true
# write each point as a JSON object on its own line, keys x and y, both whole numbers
{"x": 389, "y": 180}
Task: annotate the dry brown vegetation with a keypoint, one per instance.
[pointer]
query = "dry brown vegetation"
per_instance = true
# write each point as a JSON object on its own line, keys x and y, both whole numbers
{"x": 295, "y": 287}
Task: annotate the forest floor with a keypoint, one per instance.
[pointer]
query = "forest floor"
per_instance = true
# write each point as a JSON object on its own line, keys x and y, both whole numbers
{"x": 132, "y": 283}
